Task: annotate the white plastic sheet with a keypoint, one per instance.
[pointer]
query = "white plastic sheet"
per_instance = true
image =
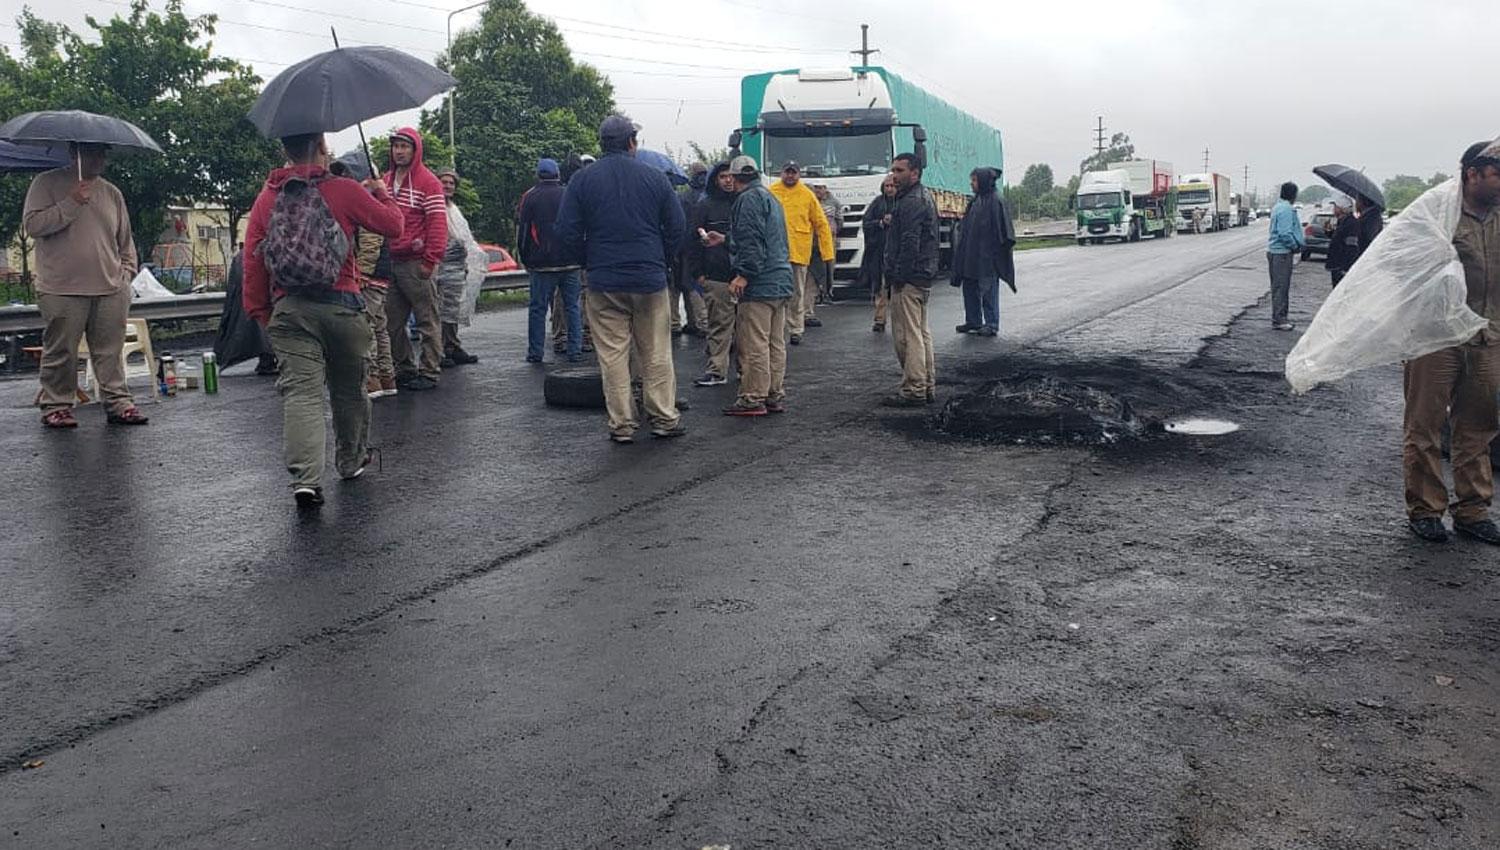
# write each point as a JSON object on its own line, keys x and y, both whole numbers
{"x": 1403, "y": 299}
{"x": 145, "y": 286}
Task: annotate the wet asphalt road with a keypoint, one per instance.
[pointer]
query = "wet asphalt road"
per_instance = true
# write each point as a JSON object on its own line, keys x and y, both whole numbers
{"x": 517, "y": 634}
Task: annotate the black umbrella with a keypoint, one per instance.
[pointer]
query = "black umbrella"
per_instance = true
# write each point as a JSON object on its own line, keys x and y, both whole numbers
{"x": 342, "y": 87}
{"x": 1351, "y": 182}
{"x": 73, "y": 125}
{"x": 27, "y": 158}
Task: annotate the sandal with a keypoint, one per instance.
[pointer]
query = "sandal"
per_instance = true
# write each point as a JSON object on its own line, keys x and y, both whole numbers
{"x": 61, "y": 417}
{"x": 131, "y": 415}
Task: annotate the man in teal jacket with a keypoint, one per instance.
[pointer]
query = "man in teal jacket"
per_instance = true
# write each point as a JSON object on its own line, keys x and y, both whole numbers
{"x": 1285, "y": 241}
{"x": 763, "y": 285}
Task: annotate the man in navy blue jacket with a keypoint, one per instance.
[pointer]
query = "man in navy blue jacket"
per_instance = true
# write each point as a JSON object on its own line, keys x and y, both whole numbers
{"x": 623, "y": 219}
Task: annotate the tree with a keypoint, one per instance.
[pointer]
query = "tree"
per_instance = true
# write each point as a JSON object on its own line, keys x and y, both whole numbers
{"x": 520, "y": 97}
{"x": 1038, "y": 180}
{"x": 708, "y": 156}
{"x": 1313, "y": 194}
{"x": 1402, "y": 189}
{"x": 1119, "y": 150}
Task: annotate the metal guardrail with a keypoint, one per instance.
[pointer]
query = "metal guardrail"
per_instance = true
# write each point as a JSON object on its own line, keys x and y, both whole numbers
{"x": 26, "y": 318}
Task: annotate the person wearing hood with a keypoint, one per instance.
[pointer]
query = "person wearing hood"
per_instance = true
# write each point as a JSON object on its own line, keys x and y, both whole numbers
{"x": 416, "y": 256}
{"x": 460, "y": 277}
{"x": 306, "y": 293}
{"x": 554, "y": 276}
{"x": 763, "y": 282}
{"x": 805, "y": 223}
{"x": 713, "y": 268}
{"x": 984, "y": 255}
{"x": 872, "y": 263}
{"x": 623, "y": 219}
{"x": 689, "y": 303}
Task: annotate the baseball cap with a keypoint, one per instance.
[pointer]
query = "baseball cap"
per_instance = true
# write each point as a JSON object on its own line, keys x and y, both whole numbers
{"x": 743, "y": 166}
{"x": 618, "y": 127}
{"x": 1481, "y": 154}
{"x": 547, "y": 168}
{"x": 697, "y": 168}
{"x": 791, "y": 165}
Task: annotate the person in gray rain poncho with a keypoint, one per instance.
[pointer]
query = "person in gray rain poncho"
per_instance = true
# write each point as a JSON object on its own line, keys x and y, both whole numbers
{"x": 459, "y": 278}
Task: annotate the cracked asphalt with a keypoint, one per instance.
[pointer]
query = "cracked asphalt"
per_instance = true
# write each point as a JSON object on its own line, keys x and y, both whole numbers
{"x": 838, "y": 628}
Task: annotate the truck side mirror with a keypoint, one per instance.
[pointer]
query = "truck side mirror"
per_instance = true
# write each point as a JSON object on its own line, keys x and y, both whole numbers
{"x": 734, "y": 143}
{"x": 919, "y": 136}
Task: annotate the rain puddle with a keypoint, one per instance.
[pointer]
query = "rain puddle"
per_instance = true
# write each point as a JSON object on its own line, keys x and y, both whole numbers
{"x": 1199, "y": 427}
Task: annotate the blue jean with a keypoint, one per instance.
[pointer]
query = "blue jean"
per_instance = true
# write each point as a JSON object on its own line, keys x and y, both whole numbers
{"x": 543, "y": 285}
{"x": 982, "y": 303}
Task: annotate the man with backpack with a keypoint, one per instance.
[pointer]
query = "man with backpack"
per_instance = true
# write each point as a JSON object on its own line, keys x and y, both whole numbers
{"x": 302, "y": 284}
{"x": 417, "y": 255}
{"x": 550, "y": 268}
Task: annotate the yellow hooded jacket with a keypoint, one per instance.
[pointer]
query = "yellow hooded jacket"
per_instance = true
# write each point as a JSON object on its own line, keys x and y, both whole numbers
{"x": 804, "y": 220}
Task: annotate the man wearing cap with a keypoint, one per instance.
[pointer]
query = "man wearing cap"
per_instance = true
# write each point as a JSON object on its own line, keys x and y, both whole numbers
{"x": 547, "y": 264}
{"x": 763, "y": 284}
{"x": 85, "y": 258}
{"x": 805, "y": 222}
{"x": 416, "y": 255}
{"x": 623, "y": 219}
{"x": 1457, "y": 385}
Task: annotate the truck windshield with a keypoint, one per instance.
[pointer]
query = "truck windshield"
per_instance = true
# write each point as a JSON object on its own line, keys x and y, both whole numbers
{"x": 1099, "y": 201}
{"x": 1192, "y": 196}
{"x": 830, "y": 156}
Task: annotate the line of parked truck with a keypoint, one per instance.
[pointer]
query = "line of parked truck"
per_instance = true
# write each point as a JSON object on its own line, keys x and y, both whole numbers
{"x": 1138, "y": 199}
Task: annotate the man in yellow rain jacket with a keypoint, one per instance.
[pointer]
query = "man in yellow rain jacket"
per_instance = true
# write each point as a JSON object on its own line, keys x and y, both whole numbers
{"x": 805, "y": 221}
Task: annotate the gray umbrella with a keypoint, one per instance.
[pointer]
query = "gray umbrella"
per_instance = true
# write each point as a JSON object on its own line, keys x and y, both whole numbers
{"x": 15, "y": 158}
{"x": 340, "y": 88}
{"x": 1351, "y": 182}
{"x": 72, "y": 125}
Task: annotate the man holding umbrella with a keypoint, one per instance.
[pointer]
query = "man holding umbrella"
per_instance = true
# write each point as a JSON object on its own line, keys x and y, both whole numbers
{"x": 85, "y": 258}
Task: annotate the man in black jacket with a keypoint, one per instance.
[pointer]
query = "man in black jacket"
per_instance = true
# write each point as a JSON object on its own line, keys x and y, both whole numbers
{"x": 712, "y": 268}
{"x": 872, "y": 262}
{"x": 547, "y": 263}
{"x": 983, "y": 255}
{"x": 911, "y": 264}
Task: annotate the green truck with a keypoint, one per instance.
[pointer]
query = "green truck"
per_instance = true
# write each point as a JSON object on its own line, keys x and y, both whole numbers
{"x": 843, "y": 126}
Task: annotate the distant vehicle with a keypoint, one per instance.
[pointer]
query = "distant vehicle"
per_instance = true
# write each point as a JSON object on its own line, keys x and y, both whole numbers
{"x": 500, "y": 259}
{"x": 1316, "y": 234}
{"x": 1131, "y": 200}
{"x": 1239, "y": 212}
{"x": 1202, "y": 203}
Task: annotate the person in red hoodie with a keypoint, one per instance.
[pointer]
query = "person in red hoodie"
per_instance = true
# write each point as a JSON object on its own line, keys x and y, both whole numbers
{"x": 320, "y": 334}
{"x": 416, "y": 257}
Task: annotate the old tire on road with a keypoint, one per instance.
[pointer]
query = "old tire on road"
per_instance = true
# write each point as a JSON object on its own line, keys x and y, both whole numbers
{"x": 574, "y": 386}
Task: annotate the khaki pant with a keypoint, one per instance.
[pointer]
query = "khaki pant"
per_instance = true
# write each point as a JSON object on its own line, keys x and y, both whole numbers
{"x": 882, "y": 298}
{"x": 762, "y": 343}
{"x": 412, "y": 294}
{"x": 913, "y": 338}
{"x": 627, "y": 323}
{"x": 69, "y": 318}
{"x": 1465, "y": 377}
{"x": 799, "y": 306}
{"x": 378, "y": 364}
{"x": 720, "y": 325}
{"x": 321, "y": 345}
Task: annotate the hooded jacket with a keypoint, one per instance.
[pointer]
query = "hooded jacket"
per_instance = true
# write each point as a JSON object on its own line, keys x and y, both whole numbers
{"x": 424, "y": 210}
{"x": 872, "y": 263}
{"x": 536, "y": 229}
{"x": 986, "y": 240}
{"x": 805, "y": 221}
{"x": 621, "y": 216}
{"x": 758, "y": 244}
{"x": 712, "y": 214}
{"x": 911, "y": 241}
{"x": 351, "y": 205}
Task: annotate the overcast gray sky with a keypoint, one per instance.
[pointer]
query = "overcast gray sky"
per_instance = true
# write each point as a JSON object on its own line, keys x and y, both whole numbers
{"x": 1393, "y": 86}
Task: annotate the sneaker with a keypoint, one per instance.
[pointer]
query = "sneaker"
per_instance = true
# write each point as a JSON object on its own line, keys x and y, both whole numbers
{"x": 776, "y": 406}
{"x": 1483, "y": 530}
{"x": 1429, "y": 528}
{"x": 669, "y": 433}
{"x": 534, "y": 358}
{"x": 878, "y": 327}
{"x": 989, "y": 331}
{"x": 461, "y": 357}
{"x": 1284, "y": 326}
{"x": 813, "y": 322}
{"x": 267, "y": 365}
{"x": 709, "y": 379}
{"x": 371, "y": 454}
{"x": 795, "y": 339}
{"x": 899, "y": 400}
{"x": 740, "y": 408}
{"x": 965, "y": 329}
{"x": 418, "y": 383}
{"x": 372, "y": 387}
{"x": 308, "y": 497}
{"x": 387, "y": 386}
{"x": 622, "y": 439}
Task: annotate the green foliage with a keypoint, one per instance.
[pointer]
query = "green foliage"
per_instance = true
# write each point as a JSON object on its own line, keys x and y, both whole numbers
{"x": 156, "y": 70}
{"x": 1313, "y": 194}
{"x": 1402, "y": 189}
{"x": 1119, "y": 150}
{"x": 708, "y": 156}
{"x": 1036, "y": 197}
{"x": 1038, "y": 180}
{"x": 437, "y": 155}
{"x": 520, "y": 97}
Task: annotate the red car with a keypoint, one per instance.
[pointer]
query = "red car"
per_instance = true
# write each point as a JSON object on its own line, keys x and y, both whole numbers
{"x": 500, "y": 259}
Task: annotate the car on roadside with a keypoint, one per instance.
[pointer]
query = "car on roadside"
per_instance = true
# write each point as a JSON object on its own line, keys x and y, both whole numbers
{"x": 500, "y": 259}
{"x": 1316, "y": 232}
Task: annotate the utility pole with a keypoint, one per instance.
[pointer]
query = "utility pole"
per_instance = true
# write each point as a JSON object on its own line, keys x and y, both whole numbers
{"x": 1205, "y": 159}
{"x": 1099, "y": 136}
{"x": 864, "y": 52}
{"x": 452, "y": 134}
{"x": 1247, "y": 177}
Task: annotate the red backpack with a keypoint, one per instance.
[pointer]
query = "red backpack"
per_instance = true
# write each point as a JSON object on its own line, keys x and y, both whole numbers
{"x": 305, "y": 247}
